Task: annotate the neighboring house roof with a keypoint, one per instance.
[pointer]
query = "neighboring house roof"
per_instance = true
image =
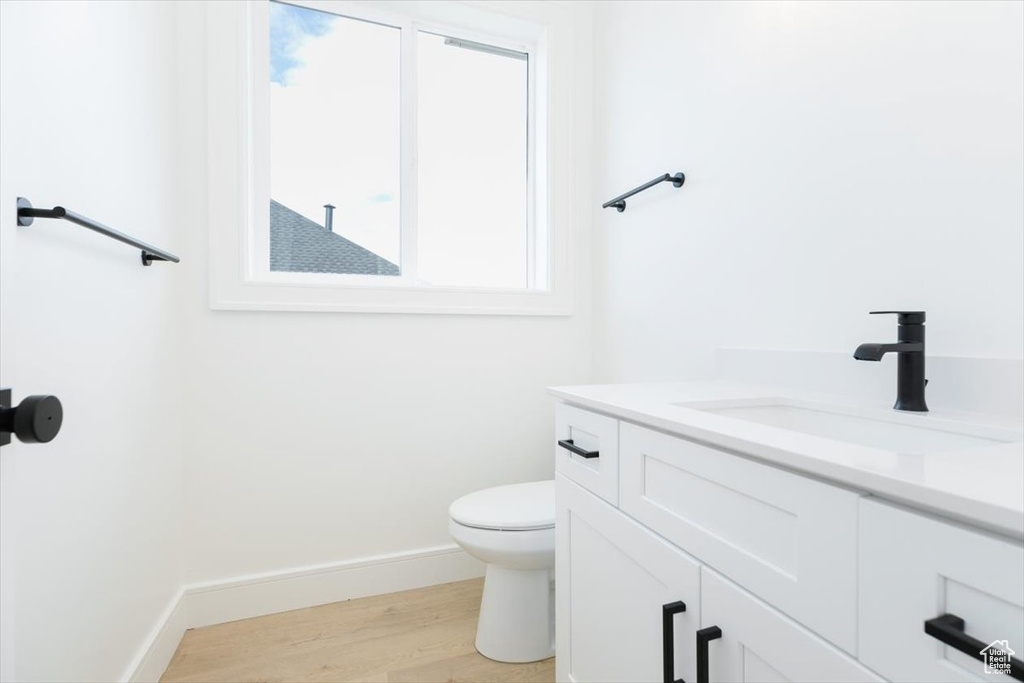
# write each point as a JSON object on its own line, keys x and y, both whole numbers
{"x": 299, "y": 245}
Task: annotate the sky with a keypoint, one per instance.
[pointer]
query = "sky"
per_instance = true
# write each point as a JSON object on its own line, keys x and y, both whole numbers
{"x": 335, "y": 138}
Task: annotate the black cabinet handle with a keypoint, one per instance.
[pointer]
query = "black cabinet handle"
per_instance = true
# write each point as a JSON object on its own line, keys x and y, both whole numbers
{"x": 568, "y": 445}
{"x": 668, "y": 639}
{"x": 705, "y": 636}
{"x": 949, "y": 629}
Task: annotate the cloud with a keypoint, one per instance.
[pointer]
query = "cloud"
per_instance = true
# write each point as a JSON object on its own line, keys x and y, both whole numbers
{"x": 290, "y": 28}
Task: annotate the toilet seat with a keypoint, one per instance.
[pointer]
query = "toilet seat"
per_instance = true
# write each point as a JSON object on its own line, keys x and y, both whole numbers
{"x": 512, "y": 530}
{"x": 517, "y": 507}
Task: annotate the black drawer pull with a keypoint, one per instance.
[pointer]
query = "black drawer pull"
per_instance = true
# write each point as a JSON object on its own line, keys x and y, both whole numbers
{"x": 668, "y": 639}
{"x": 950, "y": 629}
{"x": 705, "y": 636}
{"x": 568, "y": 445}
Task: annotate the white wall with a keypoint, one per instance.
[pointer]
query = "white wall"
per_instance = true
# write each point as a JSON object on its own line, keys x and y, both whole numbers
{"x": 92, "y": 521}
{"x": 202, "y": 446}
{"x": 840, "y": 158}
{"x": 324, "y": 437}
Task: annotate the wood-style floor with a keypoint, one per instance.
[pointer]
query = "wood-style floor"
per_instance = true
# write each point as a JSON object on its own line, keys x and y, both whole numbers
{"x": 421, "y": 636}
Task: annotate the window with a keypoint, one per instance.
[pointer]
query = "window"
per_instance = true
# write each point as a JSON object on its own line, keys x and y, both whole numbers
{"x": 473, "y": 119}
{"x": 335, "y": 129}
{"x": 336, "y": 95}
{"x": 397, "y": 163}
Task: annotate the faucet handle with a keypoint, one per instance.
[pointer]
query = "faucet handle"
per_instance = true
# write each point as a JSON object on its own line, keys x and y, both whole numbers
{"x": 905, "y": 317}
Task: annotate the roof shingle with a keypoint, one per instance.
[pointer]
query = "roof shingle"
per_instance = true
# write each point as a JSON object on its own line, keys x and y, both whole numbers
{"x": 298, "y": 245}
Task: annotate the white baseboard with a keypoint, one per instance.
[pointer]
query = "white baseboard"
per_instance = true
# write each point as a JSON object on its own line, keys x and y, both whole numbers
{"x": 255, "y": 595}
{"x": 152, "y": 659}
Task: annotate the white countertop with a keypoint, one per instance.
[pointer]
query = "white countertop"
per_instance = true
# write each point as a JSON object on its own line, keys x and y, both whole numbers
{"x": 982, "y": 486}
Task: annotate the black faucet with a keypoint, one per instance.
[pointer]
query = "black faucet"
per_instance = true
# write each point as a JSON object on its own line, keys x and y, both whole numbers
{"x": 910, "y": 381}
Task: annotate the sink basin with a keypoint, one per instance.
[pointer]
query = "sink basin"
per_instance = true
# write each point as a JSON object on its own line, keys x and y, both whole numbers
{"x": 902, "y": 433}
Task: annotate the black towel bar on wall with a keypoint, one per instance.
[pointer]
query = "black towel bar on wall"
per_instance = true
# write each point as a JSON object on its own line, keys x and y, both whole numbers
{"x": 26, "y": 214}
{"x": 620, "y": 202}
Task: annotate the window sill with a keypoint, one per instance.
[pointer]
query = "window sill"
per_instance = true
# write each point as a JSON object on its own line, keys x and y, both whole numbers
{"x": 259, "y": 296}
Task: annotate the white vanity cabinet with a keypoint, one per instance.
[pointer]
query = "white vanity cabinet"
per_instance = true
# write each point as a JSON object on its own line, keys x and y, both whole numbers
{"x": 788, "y": 539}
{"x": 783, "y": 577}
{"x": 759, "y": 643}
{"x": 914, "y": 569}
{"x": 628, "y": 603}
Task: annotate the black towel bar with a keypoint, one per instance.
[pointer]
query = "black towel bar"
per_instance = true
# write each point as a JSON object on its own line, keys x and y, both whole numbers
{"x": 620, "y": 202}
{"x": 149, "y": 253}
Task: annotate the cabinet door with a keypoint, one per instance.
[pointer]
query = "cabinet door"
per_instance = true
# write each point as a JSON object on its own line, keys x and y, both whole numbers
{"x": 916, "y": 569}
{"x": 759, "y": 643}
{"x": 613, "y": 579}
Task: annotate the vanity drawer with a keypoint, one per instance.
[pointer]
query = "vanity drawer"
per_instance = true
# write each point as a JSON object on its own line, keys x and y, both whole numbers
{"x": 588, "y": 452}
{"x": 914, "y": 568}
{"x": 789, "y": 539}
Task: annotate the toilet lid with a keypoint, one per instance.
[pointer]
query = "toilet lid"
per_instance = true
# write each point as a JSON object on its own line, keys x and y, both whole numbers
{"x": 517, "y": 507}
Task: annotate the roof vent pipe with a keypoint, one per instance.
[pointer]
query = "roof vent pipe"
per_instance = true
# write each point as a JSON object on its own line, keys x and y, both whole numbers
{"x": 329, "y": 218}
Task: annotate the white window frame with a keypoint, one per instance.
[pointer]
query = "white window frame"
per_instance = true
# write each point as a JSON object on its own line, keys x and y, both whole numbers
{"x": 238, "y": 149}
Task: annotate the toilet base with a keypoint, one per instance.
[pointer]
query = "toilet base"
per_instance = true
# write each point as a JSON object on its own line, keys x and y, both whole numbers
{"x": 516, "y": 615}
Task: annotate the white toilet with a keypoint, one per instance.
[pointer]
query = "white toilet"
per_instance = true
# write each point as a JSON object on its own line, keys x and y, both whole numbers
{"x": 512, "y": 529}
